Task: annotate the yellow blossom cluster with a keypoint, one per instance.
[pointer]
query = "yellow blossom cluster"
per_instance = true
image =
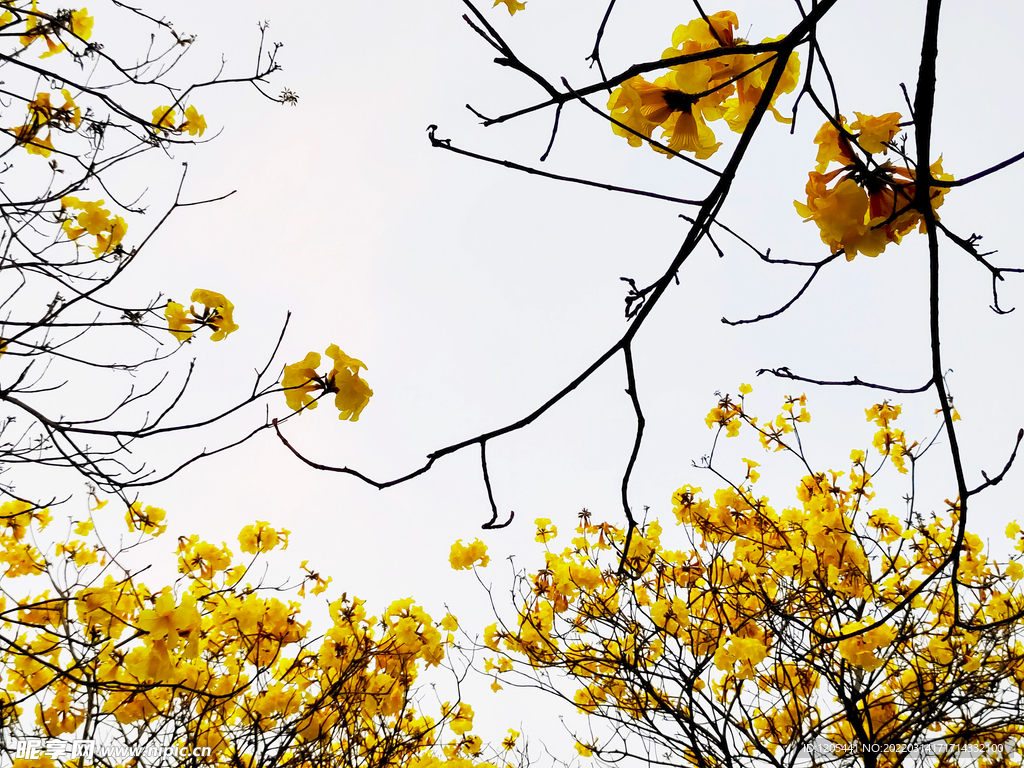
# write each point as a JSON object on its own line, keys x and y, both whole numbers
{"x": 217, "y": 314}
{"x": 863, "y": 205}
{"x": 93, "y": 220}
{"x": 42, "y": 26}
{"x": 215, "y": 661}
{"x": 163, "y": 120}
{"x": 42, "y": 113}
{"x": 18, "y": 556}
{"x": 351, "y": 392}
{"x": 829, "y": 618}
{"x": 682, "y": 102}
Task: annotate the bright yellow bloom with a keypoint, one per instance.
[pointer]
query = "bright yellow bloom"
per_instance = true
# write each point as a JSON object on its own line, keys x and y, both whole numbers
{"x": 82, "y": 23}
{"x": 163, "y": 118}
{"x": 218, "y": 314}
{"x": 177, "y": 321}
{"x": 642, "y": 106}
{"x": 148, "y": 520}
{"x": 195, "y": 124}
{"x": 463, "y": 720}
{"x": 95, "y": 220}
{"x": 870, "y": 206}
{"x": 352, "y": 393}
{"x": 37, "y": 146}
{"x": 300, "y": 381}
{"x": 512, "y": 5}
{"x": 545, "y": 530}
{"x": 262, "y": 538}
{"x": 465, "y": 557}
{"x": 860, "y": 649}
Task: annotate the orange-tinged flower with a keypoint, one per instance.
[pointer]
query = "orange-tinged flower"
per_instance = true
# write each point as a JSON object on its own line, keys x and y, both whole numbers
{"x": 874, "y": 133}
{"x": 642, "y": 106}
{"x": 869, "y": 207}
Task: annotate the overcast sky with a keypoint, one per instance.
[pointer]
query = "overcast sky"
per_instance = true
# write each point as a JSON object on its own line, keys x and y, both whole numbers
{"x": 473, "y": 293}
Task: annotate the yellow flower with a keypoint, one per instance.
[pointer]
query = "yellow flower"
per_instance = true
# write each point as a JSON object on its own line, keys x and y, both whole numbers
{"x": 860, "y": 650}
{"x": 351, "y": 393}
{"x": 262, "y": 538}
{"x": 177, "y": 321}
{"x": 642, "y": 106}
{"x": 37, "y": 146}
{"x": 163, "y": 118}
{"x": 463, "y": 558}
{"x": 875, "y": 132}
{"x": 545, "y": 530}
{"x": 463, "y": 719}
{"x": 218, "y": 314}
{"x": 148, "y": 520}
{"x": 870, "y": 206}
{"x": 509, "y": 742}
{"x": 195, "y": 124}
{"x": 82, "y": 23}
{"x": 512, "y": 5}
{"x": 300, "y": 380}
{"x": 583, "y": 749}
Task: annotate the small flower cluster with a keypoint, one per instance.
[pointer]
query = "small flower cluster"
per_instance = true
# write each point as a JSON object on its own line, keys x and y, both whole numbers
{"x": 216, "y": 314}
{"x": 42, "y": 113}
{"x": 93, "y": 220}
{"x": 39, "y": 26}
{"x": 682, "y": 102}
{"x": 230, "y": 666}
{"x": 351, "y": 392}
{"x": 647, "y": 631}
{"x": 163, "y": 120}
{"x": 870, "y": 204}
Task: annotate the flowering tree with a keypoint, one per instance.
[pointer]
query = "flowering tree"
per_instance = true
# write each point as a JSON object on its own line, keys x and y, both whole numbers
{"x": 830, "y": 631}
{"x": 87, "y": 650}
{"x": 100, "y": 669}
{"x": 764, "y": 633}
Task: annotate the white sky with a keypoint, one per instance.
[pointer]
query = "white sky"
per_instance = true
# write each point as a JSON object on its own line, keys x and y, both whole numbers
{"x": 473, "y": 293}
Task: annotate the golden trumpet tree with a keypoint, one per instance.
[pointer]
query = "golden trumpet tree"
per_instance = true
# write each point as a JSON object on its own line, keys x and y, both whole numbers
{"x": 750, "y": 632}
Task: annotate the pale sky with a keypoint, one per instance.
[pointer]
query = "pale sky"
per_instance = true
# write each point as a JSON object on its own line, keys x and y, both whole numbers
{"x": 473, "y": 293}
